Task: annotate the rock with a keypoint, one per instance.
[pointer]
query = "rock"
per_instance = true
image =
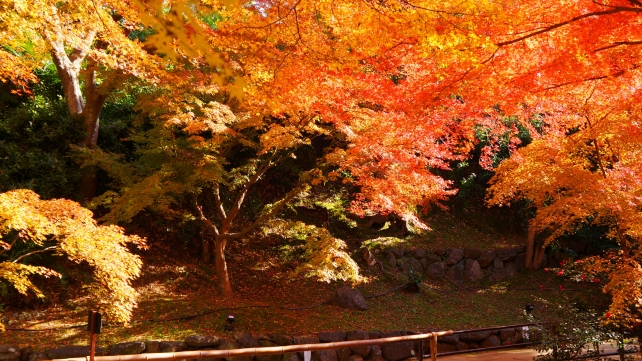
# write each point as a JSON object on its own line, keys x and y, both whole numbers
{"x": 355, "y": 358}
{"x": 266, "y": 343}
{"x": 473, "y": 270}
{"x": 373, "y": 335}
{"x": 305, "y": 339}
{"x": 398, "y": 350}
{"x": 521, "y": 248}
{"x": 362, "y": 351}
{"x": 456, "y": 274}
{"x": 25, "y": 352}
{"x": 455, "y": 255}
{"x": 432, "y": 258}
{"x": 494, "y": 332}
{"x": 472, "y": 253}
{"x": 152, "y": 346}
{"x": 475, "y": 336}
{"x": 343, "y": 354}
{"x": 506, "y": 333}
{"x": 174, "y": 346}
{"x": 441, "y": 252}
{"x": 424, "y": 263}
{"x": 451, "y": 339}
{"x": 246, "y": 340}
{"x": 327, "y": 355}
{"x": 37, "y": 356}
{"x": 445, "y": 347}
{"x": 229, "y": 345}
{"x": 72, "y": 351}
{"x": 511, "y": 269}
{"x": 9, "y": 353}
{"x": 498, "y": 263}
{"x": 411, "y": 264}
{"x": 504, "y": 254}
{"x": 398, "y": 253}
{"x": 351, "y": 298}
{"x": 486, "y": 258}
{"x": 491, "y": 341}
{"x": 282, "y": 340}
{"x": 462, "y": 346}
{"x": 290, "y": 357}
{"x": 436, "y": 270}
{"x": 473, "y": 345}
{"x": 202, "y": 341}
{"x": 375, "y": 358}
{"x": 127, "y": 348}
{"x": 498, "y": 274}
{"x": 391, "y": 260}
{"x": 416, "y": 253}
{"x": 520, "y": 262}
{"x": 332, "y": 336}
{"x": 375, "y": 354}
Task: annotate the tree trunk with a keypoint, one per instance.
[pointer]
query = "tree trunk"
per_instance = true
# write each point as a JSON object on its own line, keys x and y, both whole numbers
{"x": 221, "y": 268}
{"x": 530, "y": 247}
{"x": 538, "y": 257}
{"x": 206, "y": 246}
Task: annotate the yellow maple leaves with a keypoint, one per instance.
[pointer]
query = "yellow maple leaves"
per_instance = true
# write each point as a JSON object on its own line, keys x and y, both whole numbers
{"x": 24, "y": 217}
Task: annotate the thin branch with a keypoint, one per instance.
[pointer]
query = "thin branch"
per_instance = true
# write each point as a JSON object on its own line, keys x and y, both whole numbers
{"x": 618, "y": 43}
{"x": 275, "y": 210}
{"x": 617, "y": 74}
{"x": 34, "y": 252}
{"x": 278, "y": 19}
{"x": 569, "y": 21}
{"x": 13, "y": 241}
{"x": 236, "y": 206}
{"x": 438, "y": 11}
{"x": 204, "y": 219}
{"x": 219, "y": 203}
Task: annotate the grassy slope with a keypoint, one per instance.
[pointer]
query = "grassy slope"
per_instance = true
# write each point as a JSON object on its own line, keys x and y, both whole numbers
{"x": 175, "y": 284}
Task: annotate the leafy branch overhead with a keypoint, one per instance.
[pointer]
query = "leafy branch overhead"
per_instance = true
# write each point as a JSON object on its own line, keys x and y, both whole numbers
{"x": 25, "y": 218}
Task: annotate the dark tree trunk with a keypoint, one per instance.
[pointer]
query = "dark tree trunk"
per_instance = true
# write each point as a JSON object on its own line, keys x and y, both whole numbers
{"x": 221, "y": 268}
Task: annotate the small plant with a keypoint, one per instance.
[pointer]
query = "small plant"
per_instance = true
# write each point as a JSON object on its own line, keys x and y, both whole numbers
{"x": 414, "y": 281}
{"x": 577, "y": 332}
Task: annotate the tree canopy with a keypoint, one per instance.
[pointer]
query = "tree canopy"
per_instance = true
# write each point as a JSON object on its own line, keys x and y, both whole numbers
{"x": 396, "y": 91}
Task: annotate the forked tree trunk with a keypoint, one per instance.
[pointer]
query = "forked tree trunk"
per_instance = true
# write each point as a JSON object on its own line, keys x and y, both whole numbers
{"x": 83, "y": 107}
{"x": 534, "y": 255}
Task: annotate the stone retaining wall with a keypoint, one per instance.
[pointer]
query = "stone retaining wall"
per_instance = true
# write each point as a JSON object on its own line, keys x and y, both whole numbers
{"x": 407, "y": 350}
{"x": 469, "y": 264}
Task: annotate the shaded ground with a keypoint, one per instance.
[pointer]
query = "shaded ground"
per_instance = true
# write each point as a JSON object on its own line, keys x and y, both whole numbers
{"x": 176, "y": 284}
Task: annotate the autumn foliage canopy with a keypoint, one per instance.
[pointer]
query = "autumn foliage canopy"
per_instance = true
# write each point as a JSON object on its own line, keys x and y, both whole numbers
{"x": 400, "y": 87}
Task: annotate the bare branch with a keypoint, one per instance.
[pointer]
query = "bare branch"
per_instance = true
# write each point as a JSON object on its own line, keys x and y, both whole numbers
{"x": 13, "y": 241}
{"x": 618, "y": 43}
{"x": 275, "y": 210}
{"x": 34, "y": 252}
{"x": 219, "y": 203}
{"x": 238, "y": 202}
{"x": 204, "y": 219}
{"x": 616, "y": 10}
